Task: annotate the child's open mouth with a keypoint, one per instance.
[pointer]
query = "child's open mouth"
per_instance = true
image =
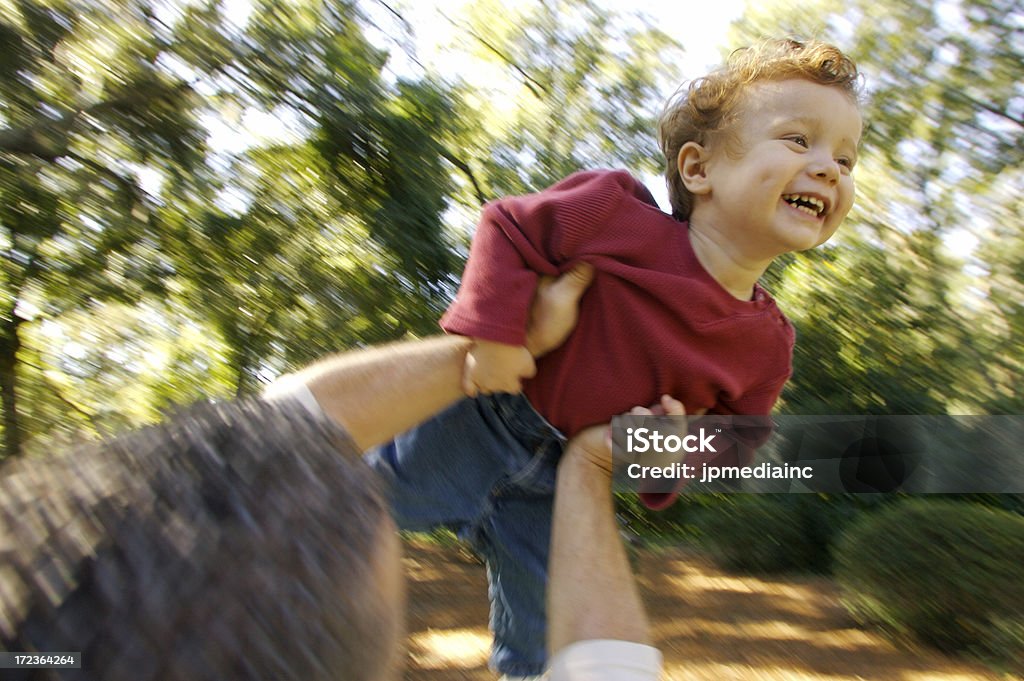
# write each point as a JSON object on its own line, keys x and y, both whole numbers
{"x": 811, "y": 205}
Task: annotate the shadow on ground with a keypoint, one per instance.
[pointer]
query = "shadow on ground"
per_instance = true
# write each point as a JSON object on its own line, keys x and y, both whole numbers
{"x": 710, "y": 625}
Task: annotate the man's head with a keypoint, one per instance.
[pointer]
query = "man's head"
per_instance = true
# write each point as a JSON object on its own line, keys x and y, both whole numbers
{"x": 237, "y": 541}
{"x": 709, "y": 113}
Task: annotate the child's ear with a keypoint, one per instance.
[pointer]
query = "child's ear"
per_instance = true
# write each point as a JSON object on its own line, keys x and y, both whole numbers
{"x": 692, "y": 162}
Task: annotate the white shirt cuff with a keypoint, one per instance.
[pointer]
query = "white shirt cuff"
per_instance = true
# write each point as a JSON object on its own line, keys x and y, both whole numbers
{"x": 606, "y": 660}
{"x": 289, "y": 387}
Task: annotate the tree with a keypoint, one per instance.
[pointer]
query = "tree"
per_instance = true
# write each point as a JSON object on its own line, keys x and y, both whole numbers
{"x": 369, "y": 184}
{"x": 575, "y": 86}
{"x": 911, "y": 325}
{"x": 108, "y": 192}
{"x": 118, "y": 207}
{"x": 85, "y": 107}
{"x": 339, "y": 238}
{"x": 112, "y": 366}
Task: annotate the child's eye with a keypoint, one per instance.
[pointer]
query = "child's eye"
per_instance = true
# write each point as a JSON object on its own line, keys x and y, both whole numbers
{"x": 799, "y": 139}
{"x": 845, "y": 162}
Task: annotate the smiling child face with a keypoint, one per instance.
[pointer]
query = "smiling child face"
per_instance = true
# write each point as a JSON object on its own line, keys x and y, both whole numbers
{"x": 780, "y": 179}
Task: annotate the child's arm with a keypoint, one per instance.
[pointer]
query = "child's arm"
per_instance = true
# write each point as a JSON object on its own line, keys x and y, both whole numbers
{"x": 497, "y": 367}
{"x": 518, "y": 240}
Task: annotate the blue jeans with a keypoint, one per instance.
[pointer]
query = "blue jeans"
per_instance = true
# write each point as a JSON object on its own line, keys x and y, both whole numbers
{"x": 486, "y": 469}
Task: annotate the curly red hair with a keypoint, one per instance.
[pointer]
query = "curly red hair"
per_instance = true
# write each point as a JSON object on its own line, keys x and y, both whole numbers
{"x": 704, "y": 108}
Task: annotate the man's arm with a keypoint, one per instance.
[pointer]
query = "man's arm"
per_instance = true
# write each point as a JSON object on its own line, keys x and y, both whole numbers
{"x": 597, "y": 626}
{"x": 591, "y": 590}
{"x": 380, "y": 392}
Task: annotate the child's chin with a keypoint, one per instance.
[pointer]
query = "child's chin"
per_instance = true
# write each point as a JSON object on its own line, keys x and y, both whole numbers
{"x": 801, "y": 241}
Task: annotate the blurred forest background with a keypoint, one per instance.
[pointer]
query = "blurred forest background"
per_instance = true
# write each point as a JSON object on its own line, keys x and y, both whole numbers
{"x": 151, "y": 259}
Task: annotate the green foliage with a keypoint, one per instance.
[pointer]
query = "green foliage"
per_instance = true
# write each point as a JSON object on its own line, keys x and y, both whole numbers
{"x": 296, "y": 272}
{"x": 113, "y": 366}
{"x": 386, "y": 160}
{"x": 1004, "y": 644}
{"x": 339, "y": 238}
{"x": 334, "y": 233}
{"x": 341, "y": 225}
{"x": 945, "y": 572}
{"x": 892, "y": 319}
{"x": 84, "y": 105}
{"x": 949, "y": 84}
{"x": 586, "y": 86}
{"x": 756, "y": 534}
{"x": 775, "y": 533}
{"x": 871, "y": 338}
{"x": 672, "y": 526}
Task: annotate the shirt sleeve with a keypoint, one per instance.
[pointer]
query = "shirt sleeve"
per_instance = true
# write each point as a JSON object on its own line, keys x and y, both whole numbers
{"x": 291, "y": 388}
{"x": 606, "y": 660}
{"x": 521, "y": 238}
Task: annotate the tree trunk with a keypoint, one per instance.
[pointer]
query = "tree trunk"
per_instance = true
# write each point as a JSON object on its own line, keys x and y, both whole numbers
{"x": 241, "y": 365}
{"x": 243, "y": 378}
{"x": 9, "y": 346}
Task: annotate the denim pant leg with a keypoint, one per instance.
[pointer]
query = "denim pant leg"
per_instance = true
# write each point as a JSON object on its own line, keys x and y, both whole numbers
{"x": 515, "y": 538}
{"x": 442, "y": 472}
{"x": 485, "y": 468}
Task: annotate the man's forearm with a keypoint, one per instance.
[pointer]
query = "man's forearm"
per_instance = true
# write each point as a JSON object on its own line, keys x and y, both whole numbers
{"x": 380, "y": 392}
{"x": 592, "y": 593}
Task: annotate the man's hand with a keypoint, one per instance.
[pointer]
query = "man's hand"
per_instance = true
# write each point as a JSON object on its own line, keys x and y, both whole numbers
{"x": 496, "y": 368}
{"x": 593, "y": 446}
{"x": 555, "y": 309}
{"x": 592, "y": 594}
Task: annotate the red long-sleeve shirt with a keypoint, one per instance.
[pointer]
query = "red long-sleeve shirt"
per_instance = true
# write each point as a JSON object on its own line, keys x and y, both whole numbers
{"x": 653, "y": 322}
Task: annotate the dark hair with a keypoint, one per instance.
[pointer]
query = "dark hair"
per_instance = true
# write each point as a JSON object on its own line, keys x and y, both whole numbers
{"x": 236, "y": 541}
{"x": 705, "y": 107}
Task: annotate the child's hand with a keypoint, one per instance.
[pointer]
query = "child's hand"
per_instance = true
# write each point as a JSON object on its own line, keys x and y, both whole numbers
{"x": 496, "y": 368}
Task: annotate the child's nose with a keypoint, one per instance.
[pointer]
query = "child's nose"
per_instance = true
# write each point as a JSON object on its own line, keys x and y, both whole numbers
{"x": 826, "y": 168}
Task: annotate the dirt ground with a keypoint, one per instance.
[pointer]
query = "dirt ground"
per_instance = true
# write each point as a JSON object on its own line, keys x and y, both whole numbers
{"x": 709, "y": 625}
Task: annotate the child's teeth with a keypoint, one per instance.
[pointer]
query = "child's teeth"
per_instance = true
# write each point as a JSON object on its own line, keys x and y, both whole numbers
{"x": 819, "y": 205}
